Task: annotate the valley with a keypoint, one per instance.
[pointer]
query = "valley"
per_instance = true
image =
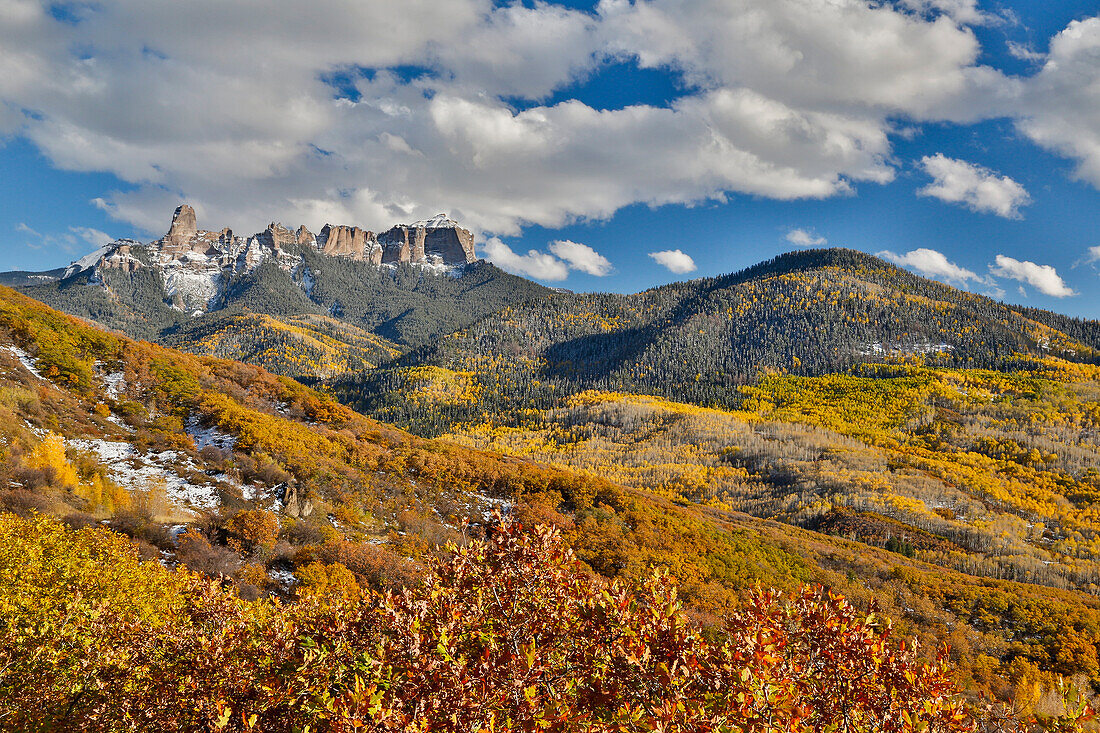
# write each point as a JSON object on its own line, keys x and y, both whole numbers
{"x": 821, "y": 418}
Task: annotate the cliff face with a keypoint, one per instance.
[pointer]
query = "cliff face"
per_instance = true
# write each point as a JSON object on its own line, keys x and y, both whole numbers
{"x": 196, "y": 264}
{"x": 345, "y": 241}
{"x": 438, "y": 239}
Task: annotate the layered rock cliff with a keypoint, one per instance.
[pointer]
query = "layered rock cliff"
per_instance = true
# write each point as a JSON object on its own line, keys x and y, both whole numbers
{"x": 196, "y": 263}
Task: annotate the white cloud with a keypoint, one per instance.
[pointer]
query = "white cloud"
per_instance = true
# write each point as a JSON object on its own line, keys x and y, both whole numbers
{"x": 785, "y": 99}
{"x": 803, "y": 238}
{"x": 675, "y": 260}
{"x": 563, "y": 256}
{"x": 982, "y": 190}
{"x": 863, "y": 59}
{"x": 539, "y": 265}
{"x": 227, "y": 105}
{"x": 1023, "y": 51}
{"x": 1093, "y": 254}
{"x": 1061, "y": 104}
{"x": 93, "y": 237}
{"x": 581, "y": 257}
{"x": 931, "y": 263}
{"x": 1042, "y": 277}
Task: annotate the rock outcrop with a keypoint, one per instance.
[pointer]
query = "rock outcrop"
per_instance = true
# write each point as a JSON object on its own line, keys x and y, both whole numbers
{"x": 439, "y": 239}
{"x": 345, "y": 241}
{"x": 305, "y": 236}
{"x": 184, "y": 227}
{"x": 277, "y": 237}
{"x": 197, "y": 265}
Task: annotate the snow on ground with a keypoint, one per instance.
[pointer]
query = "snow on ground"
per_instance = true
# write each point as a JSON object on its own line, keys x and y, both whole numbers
{"x": 197, "y": 286}
{"x": 284, "y": 578}
{"x": 306, "y": 281}
{"x": 926, "y": 347}
{"x": 88, "y": 260}
{"x": 24, "y": 359}
{"x": 136, "y": 472}
{"x": 504, "y": 506}
{"x": 209, "y": 436}
{"x": 439, "y": 221}
{"x": 113, "y": 382}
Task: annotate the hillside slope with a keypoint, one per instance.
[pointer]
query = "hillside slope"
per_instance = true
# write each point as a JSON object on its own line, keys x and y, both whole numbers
{"x": 192, "y": 283}
{"x": 265, "y": 483}
{"x": 809, "y": 313}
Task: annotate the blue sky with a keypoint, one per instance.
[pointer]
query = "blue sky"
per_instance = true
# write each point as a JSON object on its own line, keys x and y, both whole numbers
{"x": 961, "y": 138}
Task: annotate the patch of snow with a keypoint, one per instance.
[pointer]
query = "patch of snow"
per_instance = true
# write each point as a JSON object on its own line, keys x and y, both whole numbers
{"x": 435, "y": 265}
{"x": 504, "y": 506}
{"x": 209, "y": 436}
{"x": 306, "y": 281}
{"x": 135, "y": 471}
{"x": 197, "y": 287}
{"x": 439, "y": 221}
{"x": 88, "y": 260}
{"x": 924, "y": 347}
{"x": 25, "y": 359}
{"x": 114, "y": 383}
{"x": 284, "y": 578}
{"x": 37, "y": 431}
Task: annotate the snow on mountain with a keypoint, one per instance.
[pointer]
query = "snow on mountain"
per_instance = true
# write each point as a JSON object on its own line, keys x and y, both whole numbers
{"x": 197, "y": 265}
{"x": 88, "y": 260}
{"x": 439, "y": 221}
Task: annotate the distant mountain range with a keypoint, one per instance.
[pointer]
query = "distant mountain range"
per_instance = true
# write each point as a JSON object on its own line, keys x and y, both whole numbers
{"x": 338, "y": 304}
{"x": 340, "y": 300}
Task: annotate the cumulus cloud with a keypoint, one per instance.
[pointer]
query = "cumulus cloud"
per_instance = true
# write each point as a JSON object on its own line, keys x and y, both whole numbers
{"x": 803, "y": 238}
{"x": 376, "y": 112}
{"x": 1061, "y": 104}
{"x": 675, "y": 260}
{"x": 1043, "y": 278}
{"x": 980, "y": 189}
{"x": 581, "y": 257}
{"x": 539, "y": 265}
{"x": 93, "y": 237}
{"x": 934, "y": 264}
{"x": 372, "y": 112}
{"x": 556, "y": 264}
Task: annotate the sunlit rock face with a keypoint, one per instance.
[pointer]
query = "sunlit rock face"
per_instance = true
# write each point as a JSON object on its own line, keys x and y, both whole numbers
{"x": 197, "y": 264}
{"x": 438, "y": 239}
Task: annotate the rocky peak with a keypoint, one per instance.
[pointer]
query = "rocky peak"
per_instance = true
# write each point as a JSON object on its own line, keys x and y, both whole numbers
{"x": 345, "y": 241}
{"x": 277, "y": 237}
{"x": 184, "y": 226}
{"x": 437, "y": 239}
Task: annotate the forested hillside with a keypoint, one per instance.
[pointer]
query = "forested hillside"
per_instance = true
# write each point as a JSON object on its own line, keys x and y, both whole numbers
{"x": 277, "y": 489}
{"x": 821, "y": 417}
{"x": 807, "y": 313}
{"x": 328, "y": 317}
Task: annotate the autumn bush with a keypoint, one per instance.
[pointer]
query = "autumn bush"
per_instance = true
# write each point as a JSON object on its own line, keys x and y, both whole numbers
{"x": 506, "y": 634}
{"x": 253, "y": 530}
